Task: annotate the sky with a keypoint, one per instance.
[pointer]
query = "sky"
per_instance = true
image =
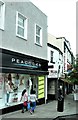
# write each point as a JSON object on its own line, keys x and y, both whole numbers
{"x": 61, "y": 18}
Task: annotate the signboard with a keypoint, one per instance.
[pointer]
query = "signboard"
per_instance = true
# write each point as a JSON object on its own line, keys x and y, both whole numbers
{"x": 40, "y": 87}
{"x": 15, "y": 61}
{"x": 25, "y": 63}
{"x": 18, "y": 60}
{"x": 52, "y": 73}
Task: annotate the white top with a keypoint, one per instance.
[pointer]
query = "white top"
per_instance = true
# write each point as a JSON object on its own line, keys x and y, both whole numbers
{"x": 32, "y": 97}
{"x": 25, "y": 97}
{"x": 8, "y": 89}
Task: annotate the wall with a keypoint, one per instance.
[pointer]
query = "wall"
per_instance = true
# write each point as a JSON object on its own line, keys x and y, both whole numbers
{"x": 59, "y": 43}
{"x": 56, "y": 64}
{"x": 35, "y": 16}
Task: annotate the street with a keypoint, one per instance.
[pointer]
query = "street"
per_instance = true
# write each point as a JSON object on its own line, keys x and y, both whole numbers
{"x": 48, "y": 110}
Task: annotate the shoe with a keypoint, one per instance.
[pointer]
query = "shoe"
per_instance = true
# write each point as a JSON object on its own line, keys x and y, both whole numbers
{"x": 22, "y": 111}
{"x": 7, "y": 104}
{"x": 26, "y": 110}
{"x": 30, "y": 111}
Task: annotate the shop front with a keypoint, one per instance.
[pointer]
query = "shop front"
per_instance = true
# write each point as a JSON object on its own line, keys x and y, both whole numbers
{"x": 21, "y": 71}
{"x": 52, "y": 83}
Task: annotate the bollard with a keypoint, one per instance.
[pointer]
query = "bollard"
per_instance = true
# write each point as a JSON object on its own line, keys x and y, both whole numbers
{"x": 60, "y": 105}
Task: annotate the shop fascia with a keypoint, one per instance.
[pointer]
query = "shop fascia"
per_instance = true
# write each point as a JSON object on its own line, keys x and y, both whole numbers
{"x": 28, "y": 63}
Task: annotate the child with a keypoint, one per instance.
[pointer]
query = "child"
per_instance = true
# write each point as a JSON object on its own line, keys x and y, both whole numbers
{"x": 24, "y": 98}
{"x": 33, "y": 101}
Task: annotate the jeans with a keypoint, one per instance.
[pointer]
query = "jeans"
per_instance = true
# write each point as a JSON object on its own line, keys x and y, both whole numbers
{"x": 33, "y": 106}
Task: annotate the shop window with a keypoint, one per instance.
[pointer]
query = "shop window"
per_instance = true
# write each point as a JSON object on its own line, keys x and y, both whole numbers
{"x": 38, "y": 35}
{"x": 21, "y": 25}
{"x": 2, "y": 13}
{"x": 17, "y": 82}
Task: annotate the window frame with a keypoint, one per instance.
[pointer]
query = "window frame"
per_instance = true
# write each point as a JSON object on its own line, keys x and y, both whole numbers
{"x": 2, "y": 14}
{"x": 25, "y": 25}
{"x": 40, "y": 36}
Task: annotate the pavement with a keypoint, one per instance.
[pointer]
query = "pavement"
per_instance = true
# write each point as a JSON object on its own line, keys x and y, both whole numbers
{"x": 48, "y": 110}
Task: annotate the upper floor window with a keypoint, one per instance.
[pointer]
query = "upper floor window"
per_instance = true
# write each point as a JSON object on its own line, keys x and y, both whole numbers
{"x": 38, "y": 36}
{"x": 2, "y": 13}
{"x": 51, "y": 54}
{"x": 21, "y": 26}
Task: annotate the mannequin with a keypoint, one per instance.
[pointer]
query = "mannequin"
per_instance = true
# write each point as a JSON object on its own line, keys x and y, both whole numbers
{"x": 29, "y": 85}
{"x": 17, "y": 81}
{"x": 8, "y": 90}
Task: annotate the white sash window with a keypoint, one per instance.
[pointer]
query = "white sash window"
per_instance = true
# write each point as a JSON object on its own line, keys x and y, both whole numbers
{"x": 21, "y": 25}
{"x": 2, "y": 13}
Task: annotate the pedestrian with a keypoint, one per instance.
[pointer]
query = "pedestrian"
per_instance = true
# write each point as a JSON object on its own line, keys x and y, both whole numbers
{"x": 24, "y": 98}
{"x": 32, "y": 101}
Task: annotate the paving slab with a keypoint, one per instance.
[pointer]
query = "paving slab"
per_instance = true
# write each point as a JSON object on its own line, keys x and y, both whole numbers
{"x": 48, "y": 110}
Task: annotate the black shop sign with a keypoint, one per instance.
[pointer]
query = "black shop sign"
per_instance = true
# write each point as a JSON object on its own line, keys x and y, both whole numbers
{"x": 16, "y": 61}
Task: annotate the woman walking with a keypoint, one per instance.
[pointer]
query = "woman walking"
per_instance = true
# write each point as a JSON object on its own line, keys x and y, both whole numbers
{"x": 24, "y": 98}
{"x": 33, "y": 101}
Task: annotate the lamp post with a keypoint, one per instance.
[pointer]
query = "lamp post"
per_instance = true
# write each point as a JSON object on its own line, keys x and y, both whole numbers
{"x": 60, "y": 98}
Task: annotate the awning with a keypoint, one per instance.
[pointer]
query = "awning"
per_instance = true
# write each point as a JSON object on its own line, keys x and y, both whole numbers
{"x": 22, "y": 71}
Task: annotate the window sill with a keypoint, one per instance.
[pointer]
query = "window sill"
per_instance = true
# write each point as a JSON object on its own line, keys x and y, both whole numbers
{"x": 21, "y": 37}
{"x": 1, "y": 28}
{"x": 38, "y": 44}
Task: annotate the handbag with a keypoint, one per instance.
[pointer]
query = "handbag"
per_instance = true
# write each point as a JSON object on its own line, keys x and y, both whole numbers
{"x": 25, "y": 103}
{"x": 28, "y": 105}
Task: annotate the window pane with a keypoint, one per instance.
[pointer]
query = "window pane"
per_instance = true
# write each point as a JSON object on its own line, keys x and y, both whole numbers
{"x": 37, "y": 39}
{"x": 2, "y": 15}
{"x": 20, "y": 31}
{"x": 21, "y": 21}
{"x": 38, "y": 30}
{"x": 51, "y": 56}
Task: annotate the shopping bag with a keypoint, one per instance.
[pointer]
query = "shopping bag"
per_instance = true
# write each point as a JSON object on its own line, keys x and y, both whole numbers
{"x": 25, "y": 103}
{"x": 28, "y": 105}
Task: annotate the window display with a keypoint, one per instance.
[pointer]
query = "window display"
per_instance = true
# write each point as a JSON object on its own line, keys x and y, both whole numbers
{"x": 11, "y": 86}
{"x": 1, "y": 86}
